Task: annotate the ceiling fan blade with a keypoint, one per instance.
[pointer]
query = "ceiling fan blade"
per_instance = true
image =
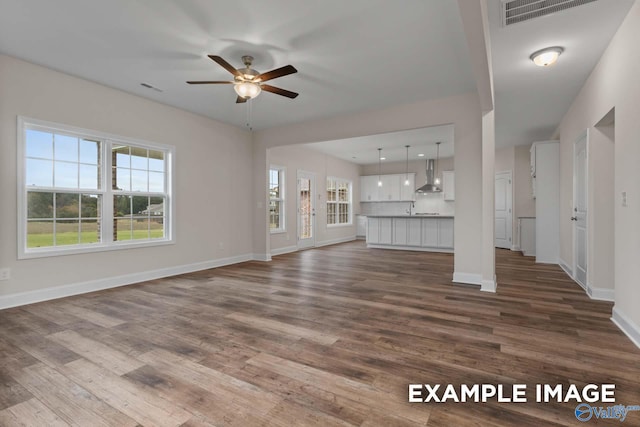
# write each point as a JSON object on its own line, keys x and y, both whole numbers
{"x": 279, "y": 91}
{"x": 224, "y": 64}
{"x": 209, "y": 83}
{"x": 240, "y": 100}
{"x": 274, "y": 74}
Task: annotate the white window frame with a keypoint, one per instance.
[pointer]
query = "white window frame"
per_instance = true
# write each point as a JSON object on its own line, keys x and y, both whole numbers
{"x": 106, "y": 141}
{"x": 337, "y": 203}
{"x": 282, "y": 173}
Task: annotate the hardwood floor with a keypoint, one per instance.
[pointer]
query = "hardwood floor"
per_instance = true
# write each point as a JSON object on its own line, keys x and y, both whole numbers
{"x": 325, "y": 337}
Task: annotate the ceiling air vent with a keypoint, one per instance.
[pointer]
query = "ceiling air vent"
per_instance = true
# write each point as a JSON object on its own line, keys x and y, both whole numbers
{"x": 514, "y": 11}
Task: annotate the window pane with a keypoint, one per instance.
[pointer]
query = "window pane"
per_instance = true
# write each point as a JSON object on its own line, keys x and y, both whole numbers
{"x": 89, "y": 151}
{"x": 66, "y": 175}
{"x": 156, "y": 161}
{"x": 39, "y": 144}
{"x": 39, "y": 205}
{"x": 140, "y": 228}
{"x": 66, "y": 148}
{"x": 122, "y": 158}
{"x": 139, "y": 158}
{"x": 155, "y": 208}
{"x": 39, "y": 234}
{"x": 139, "y": 180}
{"x": 89, "y": 206}
{"x": 67, "y": 233}
{"x": 123, "y": 179}
{"x": 121, "y": 206}
{"x": 156, "y": 182}
{"x": 343, "y": 213}
{"x": 39, "y": 173}
{"x": 140, "y": 205}
{"x": 67, "y": 205}
{"x": 89, "y": 177}
{"x": 156, "y": 226}
{"x": 89, "y": 232}
{"x": 123, "y": 227}
{"x": 274, "y": 214}
{"x": 331, "y": 213}
{"x": 343, "y": 192}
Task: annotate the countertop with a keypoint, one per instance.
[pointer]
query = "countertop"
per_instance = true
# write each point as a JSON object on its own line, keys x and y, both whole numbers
{"x": 409, "y": 216}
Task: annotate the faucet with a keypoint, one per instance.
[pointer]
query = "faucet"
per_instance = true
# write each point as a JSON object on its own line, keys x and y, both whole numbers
{"x": 411, "y": 205}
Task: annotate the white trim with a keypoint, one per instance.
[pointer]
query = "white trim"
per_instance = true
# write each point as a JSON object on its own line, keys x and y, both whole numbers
{"x": 410, "y": 248}
{"x": 282, "y": 251}
{"x": 30, "y": 297}
{"x": 261, "y": 257}
{"x": 626, "y": 325}
{"x": 335, "y": 241}
{"x": 515, "y": 248}
{"x": 489, "y": 285}
{"x": 563, "y": 265}
{"x": 467, "y": 278}
{"x": 600, "y": 294}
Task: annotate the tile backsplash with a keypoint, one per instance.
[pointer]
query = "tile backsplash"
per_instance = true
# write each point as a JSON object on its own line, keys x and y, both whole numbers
{"x": 431, "y": 203}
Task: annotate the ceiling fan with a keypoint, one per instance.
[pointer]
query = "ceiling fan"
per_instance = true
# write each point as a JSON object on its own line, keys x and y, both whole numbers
{"x": 248, "y": 83}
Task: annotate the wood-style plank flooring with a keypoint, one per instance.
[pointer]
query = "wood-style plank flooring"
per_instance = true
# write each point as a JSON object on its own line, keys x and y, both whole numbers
{"x": 323, "y": 337}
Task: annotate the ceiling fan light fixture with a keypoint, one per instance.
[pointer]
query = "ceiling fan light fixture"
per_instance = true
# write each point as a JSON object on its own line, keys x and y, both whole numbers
{"x": 247, "y": 90}
{"x": 547, "y": 56}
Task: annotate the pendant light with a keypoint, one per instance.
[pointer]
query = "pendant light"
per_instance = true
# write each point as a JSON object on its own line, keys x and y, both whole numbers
{"x": 436, "y": 181}
{"x": 406, "y": 178}
{"x": 379, "y": 166}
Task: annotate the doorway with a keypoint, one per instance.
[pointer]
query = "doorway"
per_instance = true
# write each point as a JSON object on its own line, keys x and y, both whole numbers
{"x": 306, "y": 210}
{"x": 579, "y": 218}
{"x": 503, "y": 210}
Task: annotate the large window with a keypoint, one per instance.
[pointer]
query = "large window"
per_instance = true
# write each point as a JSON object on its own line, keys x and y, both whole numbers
{"x": 276, "y": 199}
{"x": 82, "y": 191}
{"x": 338, "y": 201}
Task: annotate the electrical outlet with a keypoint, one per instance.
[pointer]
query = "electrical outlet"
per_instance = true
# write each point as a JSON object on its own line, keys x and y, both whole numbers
{"x": 5, "y": 273}
{"x": 624, "y": 199}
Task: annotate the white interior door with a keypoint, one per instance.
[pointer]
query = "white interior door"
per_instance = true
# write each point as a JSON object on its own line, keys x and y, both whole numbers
{"x": 503, "y": 215}
{"x": 306, "y": 210}
{"x": 579, "y": 217}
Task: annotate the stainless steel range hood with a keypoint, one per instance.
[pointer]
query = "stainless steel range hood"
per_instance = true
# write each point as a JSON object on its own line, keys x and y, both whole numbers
{"x": 430, "y": 186}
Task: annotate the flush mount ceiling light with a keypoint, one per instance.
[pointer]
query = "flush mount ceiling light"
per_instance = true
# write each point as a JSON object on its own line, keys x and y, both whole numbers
{"x": 546, "y": 57}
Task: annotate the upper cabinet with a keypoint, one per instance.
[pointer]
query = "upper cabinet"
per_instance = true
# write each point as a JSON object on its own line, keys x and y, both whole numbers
{"x": 448, "y": 185}
{"x": 391, "y": 190}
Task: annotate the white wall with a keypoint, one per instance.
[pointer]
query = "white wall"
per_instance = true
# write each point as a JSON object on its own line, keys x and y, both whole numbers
{"x": 209, "y": 157}
{"x": 295, "y": 158}
{"x": 463, "y": 111}
{"x": 424, "y": 202}
{"x": 613, "y": 83}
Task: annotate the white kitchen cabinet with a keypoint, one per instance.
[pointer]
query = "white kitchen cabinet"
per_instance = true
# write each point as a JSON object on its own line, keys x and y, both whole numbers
{"x": 390, "y": 190}
{"x": 445, "y": 232}
{"x": 408, "y": 192}
{"x": 406, "y": 231}
{"x": 369, "y": 188}
{"x": 379, "y": 231}
{"x": 448, "y": 186}
{"x": 430, "y": 232}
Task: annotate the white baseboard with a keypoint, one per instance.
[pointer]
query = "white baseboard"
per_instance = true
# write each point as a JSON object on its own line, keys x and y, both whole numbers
{"x": 467, "y": 278}
{"x": 410, "y": 248}
{"x": 563, "y": 265}
{"x": 515, "y": 248}
{"x": 626, "y": 325}
{"x": 282, "y": 251}
{"x": 335, "y": 241}
{"x": 31, "y": 297}
{"x": 261, "y": 257}
{"x": 601, "y": 294}
{"x": 489, "y": 285}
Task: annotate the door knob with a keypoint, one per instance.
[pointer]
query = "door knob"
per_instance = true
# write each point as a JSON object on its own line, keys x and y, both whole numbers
{"x": 574, "y": 218}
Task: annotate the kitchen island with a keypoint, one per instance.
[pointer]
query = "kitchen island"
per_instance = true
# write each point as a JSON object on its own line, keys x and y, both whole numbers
{"x": 431, "y": 233}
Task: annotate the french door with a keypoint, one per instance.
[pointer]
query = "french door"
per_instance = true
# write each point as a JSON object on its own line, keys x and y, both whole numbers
{"x": 306, "y": 210}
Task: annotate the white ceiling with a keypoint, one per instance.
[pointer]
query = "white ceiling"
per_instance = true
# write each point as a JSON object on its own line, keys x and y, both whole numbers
{"x": 351, "y": 55}
{"x": 364, "y": 150}
{"x": 530, "y": 101}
